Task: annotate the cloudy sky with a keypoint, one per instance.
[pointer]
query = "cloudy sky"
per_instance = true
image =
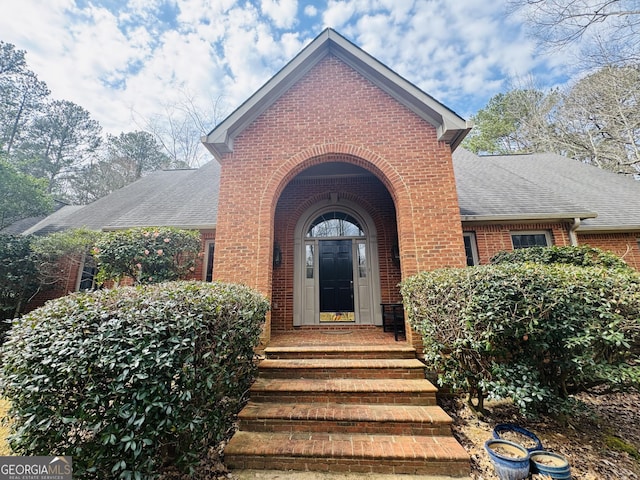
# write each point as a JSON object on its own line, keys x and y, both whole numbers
{"x": 128, "y": 59}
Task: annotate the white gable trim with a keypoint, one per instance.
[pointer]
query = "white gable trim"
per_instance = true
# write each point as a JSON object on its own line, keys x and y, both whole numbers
{"x": 450, "y": 127}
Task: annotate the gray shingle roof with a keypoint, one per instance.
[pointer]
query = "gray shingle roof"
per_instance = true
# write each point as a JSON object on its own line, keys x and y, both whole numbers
{"x": 176, "y": 198}
{"x": 490, "y": 188}
{"x": 545, "y": 184}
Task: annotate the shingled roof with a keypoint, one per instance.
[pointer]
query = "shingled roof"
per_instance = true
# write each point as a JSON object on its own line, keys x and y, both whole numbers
{"x": 490, "y": 189}
{"x": 175, "y": 198}
{"x": 545, "y": 186}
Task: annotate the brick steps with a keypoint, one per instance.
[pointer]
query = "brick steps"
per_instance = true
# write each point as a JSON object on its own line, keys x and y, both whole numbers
{"x": 348, "y": 351}
{"x": 344, "y": 390}
{"x": 344, "y": 368}
{"x": 366, "y": 409}
{"x": 345, "y": 418}
{"x": 417, "y": 455}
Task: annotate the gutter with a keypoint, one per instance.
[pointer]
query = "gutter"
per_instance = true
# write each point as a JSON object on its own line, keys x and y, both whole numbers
{"x": 513, "y": 218}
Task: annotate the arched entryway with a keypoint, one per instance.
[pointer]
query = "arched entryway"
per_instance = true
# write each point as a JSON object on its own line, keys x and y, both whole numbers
{"x": 336, "y": 268}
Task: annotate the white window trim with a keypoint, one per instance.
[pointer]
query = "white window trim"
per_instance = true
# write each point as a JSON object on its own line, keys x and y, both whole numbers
{"x": 80, "y": 271}
{"x": 474, "y": 246}
{"x": 205, "y": 262}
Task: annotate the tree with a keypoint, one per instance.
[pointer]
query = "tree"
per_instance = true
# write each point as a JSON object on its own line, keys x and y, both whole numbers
{"x": 11, "y": 60}
{"x": 599, "y": 120}
{"x": 607, "y": 31}
{"x": 517, "y": 121}
{"x": 123, "y": 160}
{"x": 21, "y": 95}
{"x": 21, "y": 196}
{"x": 62, "y": 138}
{"x": 596, "y": 121}
{"x": 180, "y": 128}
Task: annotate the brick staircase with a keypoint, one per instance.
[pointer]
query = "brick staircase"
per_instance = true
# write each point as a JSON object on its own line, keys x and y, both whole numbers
{"x": 345, "y": 409}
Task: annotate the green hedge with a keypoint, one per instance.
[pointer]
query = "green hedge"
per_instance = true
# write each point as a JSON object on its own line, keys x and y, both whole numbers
{"x": 581, "y": 256}
{"x": 18, "y": 276}
{"x": 129, "y": 379}
{"x": 146, "y": 255}
{"x": 532, "y": 332}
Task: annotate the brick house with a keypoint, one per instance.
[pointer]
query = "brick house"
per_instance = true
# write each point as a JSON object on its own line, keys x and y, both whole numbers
{"x": 338, "y": 178}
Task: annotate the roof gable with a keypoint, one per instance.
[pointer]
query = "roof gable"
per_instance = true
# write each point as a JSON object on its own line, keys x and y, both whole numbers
{"x": 450, "y": 127}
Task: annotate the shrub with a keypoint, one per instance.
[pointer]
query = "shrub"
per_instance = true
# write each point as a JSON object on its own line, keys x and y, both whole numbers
{"x": 18, "y": 275}
{"x": 532, "y": 332}
{"x": 129, "y": 379}
{"x": 582, "y": 256}
{"x": 68, "y": 246}
{"x": 146, "y": 255}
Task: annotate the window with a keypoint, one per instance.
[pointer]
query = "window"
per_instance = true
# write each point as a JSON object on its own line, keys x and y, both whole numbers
{"x": 471, "y": 249}
{"x": 209, "y": 249}
{"x": 309, "y": 260}
{"x": 335, "y": 224}
{"x": 362, "y": 260}
{"x": 530, "y": 239}
{"x": 87, "y": 274}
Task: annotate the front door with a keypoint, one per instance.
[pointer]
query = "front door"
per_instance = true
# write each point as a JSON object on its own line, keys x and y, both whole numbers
{"x": 336, "y": 276}
{"x": 335, "y": 272}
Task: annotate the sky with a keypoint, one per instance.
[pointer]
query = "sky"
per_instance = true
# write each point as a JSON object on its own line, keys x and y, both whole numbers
{"x": 129, "y": 61}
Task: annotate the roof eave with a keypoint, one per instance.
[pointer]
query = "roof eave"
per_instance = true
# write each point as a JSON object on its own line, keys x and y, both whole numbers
{"x": 183, "y": 226}
{"x": 513, "y": 218}
{"x": 608, "y": 228}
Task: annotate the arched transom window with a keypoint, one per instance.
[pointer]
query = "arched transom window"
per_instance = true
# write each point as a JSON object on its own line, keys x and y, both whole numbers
{"x": 335, "y": 224}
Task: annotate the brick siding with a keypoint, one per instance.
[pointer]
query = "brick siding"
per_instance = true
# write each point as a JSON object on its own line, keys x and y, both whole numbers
{"x": 334, "y": 111}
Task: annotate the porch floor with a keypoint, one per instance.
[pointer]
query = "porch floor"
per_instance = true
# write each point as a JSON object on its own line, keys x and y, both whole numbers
{"x": 356, "y": 336}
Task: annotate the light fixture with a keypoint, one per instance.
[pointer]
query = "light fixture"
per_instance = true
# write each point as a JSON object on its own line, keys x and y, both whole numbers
{"x": 395, "y": 255}
{"x": 277, "y": 255}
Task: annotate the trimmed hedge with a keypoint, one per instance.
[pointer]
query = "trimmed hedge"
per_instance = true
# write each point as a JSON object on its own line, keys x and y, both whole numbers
{"x": 532, "y": 332}
{"x": 581, "y": 256}
{"x": 130, "y": 379}
{"x": 147, "y": 254}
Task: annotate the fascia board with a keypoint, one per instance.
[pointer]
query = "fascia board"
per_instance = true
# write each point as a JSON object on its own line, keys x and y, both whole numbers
{"x": 608, "y": 228}
{"x": 220, "y": 140}
{"x": 513, "y": 218}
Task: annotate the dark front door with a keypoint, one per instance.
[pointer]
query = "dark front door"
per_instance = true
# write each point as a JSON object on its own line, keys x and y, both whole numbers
{"x": 336, "y": 278}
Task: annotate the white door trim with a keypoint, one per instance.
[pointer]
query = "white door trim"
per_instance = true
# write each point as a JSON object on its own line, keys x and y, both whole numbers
{"x": 300, "y": 289}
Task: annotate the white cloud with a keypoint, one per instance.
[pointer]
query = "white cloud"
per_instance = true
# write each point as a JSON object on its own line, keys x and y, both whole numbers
{"x": 282, "y": 12}
{"x": 310, "y": 11}
{"x": 112, "y": 61}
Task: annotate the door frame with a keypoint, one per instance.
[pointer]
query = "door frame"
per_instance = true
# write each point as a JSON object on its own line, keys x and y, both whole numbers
{"x": 371, "y": 241}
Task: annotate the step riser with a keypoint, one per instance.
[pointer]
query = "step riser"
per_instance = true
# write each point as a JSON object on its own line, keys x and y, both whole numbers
{"x": 369, "y": 373}
{"x": 370, "y": 428}
{"x": 392, "y": 398}
{"x": 350, "y": 464}
{"x": 388, "y": 355}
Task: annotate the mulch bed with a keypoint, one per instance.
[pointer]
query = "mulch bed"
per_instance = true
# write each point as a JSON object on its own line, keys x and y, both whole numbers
{"x": 600, "y": 443}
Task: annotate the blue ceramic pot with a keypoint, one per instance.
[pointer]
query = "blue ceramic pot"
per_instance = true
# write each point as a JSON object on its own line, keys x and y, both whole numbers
{"x": 551, "y": 464}
{"x": 508, "y": 427}
{"x": 510, "y": 460}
